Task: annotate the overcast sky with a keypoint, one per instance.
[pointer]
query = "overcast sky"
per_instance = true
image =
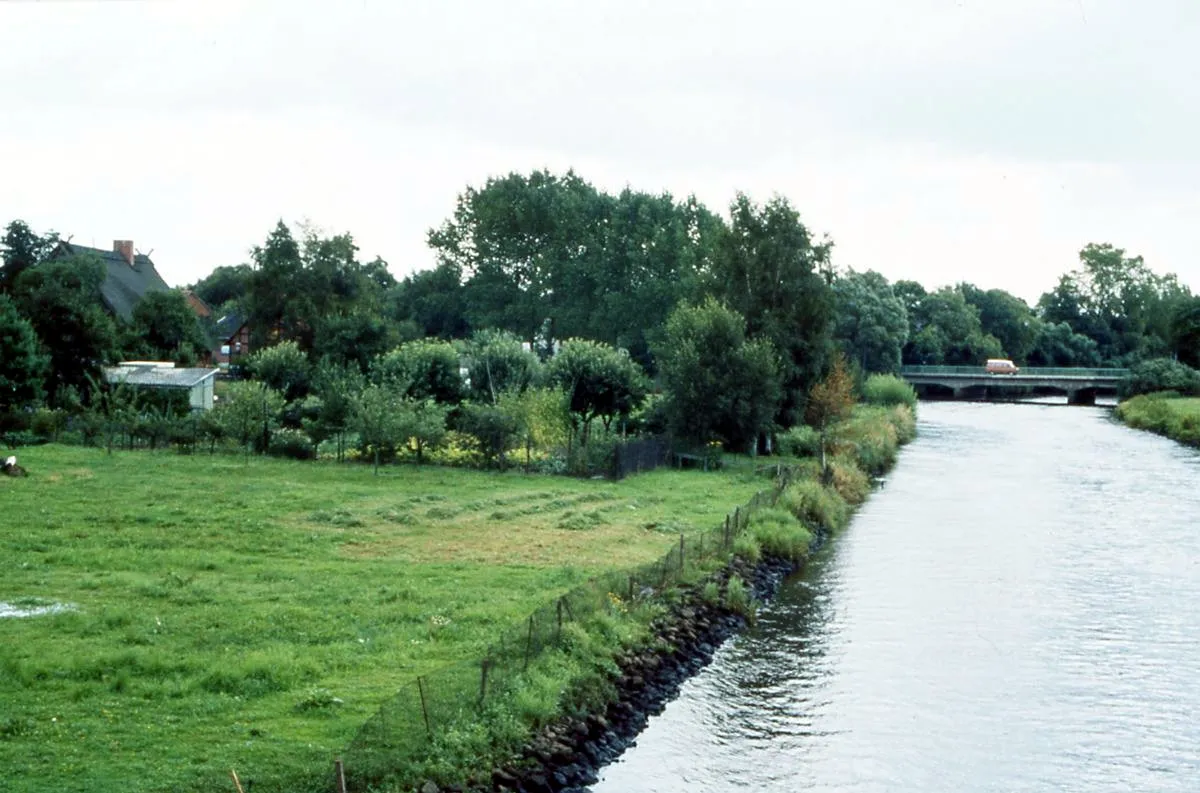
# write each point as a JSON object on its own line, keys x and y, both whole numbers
{"x": 937, "y": 140}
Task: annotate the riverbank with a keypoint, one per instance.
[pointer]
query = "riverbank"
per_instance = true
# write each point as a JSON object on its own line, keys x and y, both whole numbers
{"x": 1165, "y": 413}
{"x": 568, "y": 753}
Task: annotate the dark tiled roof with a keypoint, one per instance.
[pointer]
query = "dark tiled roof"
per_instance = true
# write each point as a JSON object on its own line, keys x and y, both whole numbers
{"x": 228, "y": 325}
{"x": 124, "y": 286}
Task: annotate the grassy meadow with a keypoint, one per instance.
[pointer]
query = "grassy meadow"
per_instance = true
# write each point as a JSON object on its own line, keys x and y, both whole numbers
{"x": 252, "y": 614}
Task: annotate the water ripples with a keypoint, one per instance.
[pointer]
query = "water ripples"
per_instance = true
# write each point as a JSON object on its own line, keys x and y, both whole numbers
{"x": 1017, "y": 609}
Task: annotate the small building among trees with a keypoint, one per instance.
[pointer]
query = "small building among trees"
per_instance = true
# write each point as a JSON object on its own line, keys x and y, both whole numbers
{"x": 196, "y": 383}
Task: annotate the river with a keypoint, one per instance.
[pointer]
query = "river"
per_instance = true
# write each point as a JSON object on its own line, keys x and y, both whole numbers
{"x": 1016, "y": 609}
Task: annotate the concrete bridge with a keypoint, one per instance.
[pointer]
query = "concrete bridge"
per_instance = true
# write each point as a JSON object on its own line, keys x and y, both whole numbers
{"x": 1079, "y": 384}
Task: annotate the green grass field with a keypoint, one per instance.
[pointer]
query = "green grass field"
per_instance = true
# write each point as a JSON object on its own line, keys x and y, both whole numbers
{"x": 220, "y": 608}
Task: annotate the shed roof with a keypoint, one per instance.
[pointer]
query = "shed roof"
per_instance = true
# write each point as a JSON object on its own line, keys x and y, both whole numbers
{"x": 163, "y": 377}
{"x": 124, "y": 284}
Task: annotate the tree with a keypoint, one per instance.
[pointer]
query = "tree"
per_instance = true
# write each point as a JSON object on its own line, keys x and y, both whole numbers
{"x": 249, "y": 412}
{"x": 1185, "y": 332}
{"x": 329, "y": 413}
{"x": 946, "y": 329}
{"x": 1160, "y": 374}
{"x": 829, "y": 402}
{"x": 422, "y": 369}
{"x": 356, "y": 339}
{"x": 542, "y": 415}
{"x": 61, "y": 299}
{"x": 422, "y": 424}
{"x": 283, "y": 368}
{"x": 225, "y": 284}
{"x": 524, "y": 249}
{"x": 718, "y": 384}
{"x": 1058, "y": 345}
{"x": 600, "y": 382}
{"x": 871, "y": 321}
{"x": 493, "y": 430}
{"x": 769, "y": 270}
{"x": 165, "y": 327}
{"x": 1005, "y": 316}
{"x": 376, "y": 413}
{"x": 22, "y": 249}
{"x": 22, "y": 363}
{"x": 434, "y": 301}
{"x": 497, "y": 362}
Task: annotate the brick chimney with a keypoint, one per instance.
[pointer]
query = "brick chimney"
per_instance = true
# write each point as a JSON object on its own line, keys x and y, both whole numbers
{"x": 125, "y": 248}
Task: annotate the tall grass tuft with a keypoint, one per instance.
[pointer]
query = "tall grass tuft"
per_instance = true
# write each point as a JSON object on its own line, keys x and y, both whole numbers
{"x": 780, "y": 534}
{"x": 815, "y": 506}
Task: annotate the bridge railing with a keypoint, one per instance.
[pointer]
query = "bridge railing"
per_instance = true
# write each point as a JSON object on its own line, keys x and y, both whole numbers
{"x": 1032, "y": 371}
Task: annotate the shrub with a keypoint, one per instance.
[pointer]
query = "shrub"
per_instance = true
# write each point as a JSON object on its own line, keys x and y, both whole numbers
{"x": 780, "y": 533}
{"x": 850, "y": 482}
{"x": 888, "y": 390}
{"x": 800, "y": 441}
{"x": 48, "y": 424}
{"x": 291, "y": 443}
{"x": 1160, "y": 374}
{"x": 745, "y": 546}
{"x": 816, "y": 506}
{"x": 871, "y": 437}
{"x": 711, "y": 593}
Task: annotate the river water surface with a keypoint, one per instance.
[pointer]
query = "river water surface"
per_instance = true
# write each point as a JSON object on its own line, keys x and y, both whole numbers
{"x": 1018, "y": 608}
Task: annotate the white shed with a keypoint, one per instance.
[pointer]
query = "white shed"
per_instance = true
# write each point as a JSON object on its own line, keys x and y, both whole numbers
{"x": 198, "y": 382}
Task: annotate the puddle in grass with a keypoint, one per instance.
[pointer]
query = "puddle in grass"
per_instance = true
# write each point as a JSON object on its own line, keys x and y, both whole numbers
{"x": 32, "y": 607}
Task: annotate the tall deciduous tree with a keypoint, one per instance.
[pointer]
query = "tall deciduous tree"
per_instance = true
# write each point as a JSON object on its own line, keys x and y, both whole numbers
{"x": 771, "y": 271}
{"x": 61, "y": 298}
{"x": 164, "y": 326}
{"x": 600, "y": 382}
{"x": 22, "y": 248}
{"x": 719, "y": 385}
{"x": 871, "y": 321}
{"x": 22, "y": 363}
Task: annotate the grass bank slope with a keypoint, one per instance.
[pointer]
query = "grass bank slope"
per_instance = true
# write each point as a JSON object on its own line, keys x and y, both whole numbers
{"x": 252, "y": 615}
{"x": 1165, "y": 413}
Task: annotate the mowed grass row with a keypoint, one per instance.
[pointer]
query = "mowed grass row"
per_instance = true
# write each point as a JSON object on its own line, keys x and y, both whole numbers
{"x": 253, "y": 614}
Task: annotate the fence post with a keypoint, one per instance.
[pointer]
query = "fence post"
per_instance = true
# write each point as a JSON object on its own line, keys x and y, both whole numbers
{"x": 424, "y": 707}
{"x": 737, "y": 520}
{"x": 483, "y": 674}
{"x": 726, "y": 531}
{"x": 529, "y": 642}
{"x": 558, "y": 630}
{"x": 630, "y": 587}
{"x": 681, "y": 552}
{"x": 339, "y": 776}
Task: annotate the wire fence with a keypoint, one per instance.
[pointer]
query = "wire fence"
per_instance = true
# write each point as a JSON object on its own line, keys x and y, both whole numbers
{"x": 406, "y": 725}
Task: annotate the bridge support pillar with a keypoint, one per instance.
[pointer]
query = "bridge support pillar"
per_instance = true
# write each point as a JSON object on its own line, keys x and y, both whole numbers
{"x": 1082, "y": 396}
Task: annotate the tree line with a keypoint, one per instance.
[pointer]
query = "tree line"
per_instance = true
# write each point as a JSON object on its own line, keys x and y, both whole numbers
{"x": 640, "y": 310}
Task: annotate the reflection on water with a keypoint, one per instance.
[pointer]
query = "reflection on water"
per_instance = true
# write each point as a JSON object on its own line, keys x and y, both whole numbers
{"x": 1017, "y": 609}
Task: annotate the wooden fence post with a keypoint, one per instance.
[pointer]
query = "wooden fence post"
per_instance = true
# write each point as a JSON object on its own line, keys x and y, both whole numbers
{"x": 483, "y": 675}
{"x": 424, "y": 707}
{"x": 558, "y": 630}
{"x": 680, "y": 552}
{"x": 339, "y": 776}
{"x": 529, "y": 642}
